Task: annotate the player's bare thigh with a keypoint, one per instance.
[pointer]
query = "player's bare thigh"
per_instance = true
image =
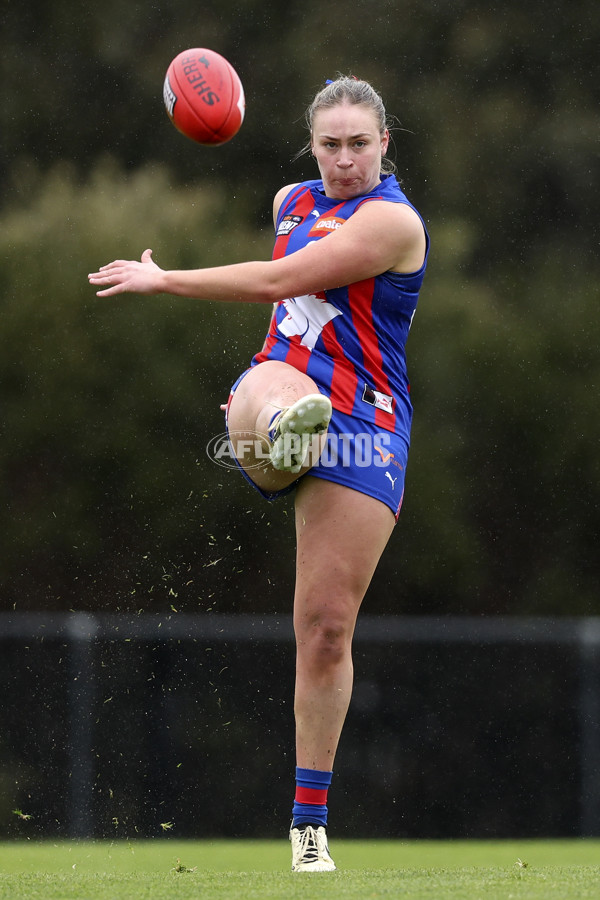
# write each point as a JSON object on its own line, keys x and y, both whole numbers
{"x": 341, "y": 534}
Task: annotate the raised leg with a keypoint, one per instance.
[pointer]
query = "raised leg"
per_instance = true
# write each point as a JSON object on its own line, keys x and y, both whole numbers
{"x": 265, "y": 390}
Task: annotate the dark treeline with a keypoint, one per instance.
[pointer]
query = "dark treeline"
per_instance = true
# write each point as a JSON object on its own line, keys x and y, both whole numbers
{"x": 108, "y": 497}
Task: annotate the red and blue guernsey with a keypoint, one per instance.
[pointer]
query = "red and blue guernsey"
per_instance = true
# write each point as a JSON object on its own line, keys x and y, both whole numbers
{"x": 350, "y": 340}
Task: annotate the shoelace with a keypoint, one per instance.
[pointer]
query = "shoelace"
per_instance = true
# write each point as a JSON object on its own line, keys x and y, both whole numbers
{"x": 308, "y": 844}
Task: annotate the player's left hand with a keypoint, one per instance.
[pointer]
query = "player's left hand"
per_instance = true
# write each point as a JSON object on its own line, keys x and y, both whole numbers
{"x": 128, "y": 276}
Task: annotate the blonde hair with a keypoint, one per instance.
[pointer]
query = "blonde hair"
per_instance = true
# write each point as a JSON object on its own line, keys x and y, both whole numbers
{"x": 348, "y": 89}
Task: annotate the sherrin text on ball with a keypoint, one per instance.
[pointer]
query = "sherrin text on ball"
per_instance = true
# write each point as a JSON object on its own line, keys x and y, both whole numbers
{"x": 204, "y": 96}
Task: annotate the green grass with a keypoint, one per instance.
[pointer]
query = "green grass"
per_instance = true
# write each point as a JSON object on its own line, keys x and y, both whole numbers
{"x": 243, "y": 870}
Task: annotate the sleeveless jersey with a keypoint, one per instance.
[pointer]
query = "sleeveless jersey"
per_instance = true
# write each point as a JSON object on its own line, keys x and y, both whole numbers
{"x": 350, "y": 340}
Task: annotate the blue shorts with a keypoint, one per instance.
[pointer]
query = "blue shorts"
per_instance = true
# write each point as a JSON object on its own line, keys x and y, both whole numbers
{"x": 357, "y": 455}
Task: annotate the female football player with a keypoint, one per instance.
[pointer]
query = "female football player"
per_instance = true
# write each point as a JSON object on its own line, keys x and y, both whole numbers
{"x": 329, "y": 393}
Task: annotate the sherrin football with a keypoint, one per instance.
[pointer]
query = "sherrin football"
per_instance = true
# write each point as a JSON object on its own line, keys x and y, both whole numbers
{"x": 204, "y": 97}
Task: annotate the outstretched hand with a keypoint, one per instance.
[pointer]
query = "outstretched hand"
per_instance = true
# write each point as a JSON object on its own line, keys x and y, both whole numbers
{"x": 128, "y": 276}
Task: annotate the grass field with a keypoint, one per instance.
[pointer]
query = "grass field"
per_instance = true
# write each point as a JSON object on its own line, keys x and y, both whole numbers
{"x": 244, "y": 870}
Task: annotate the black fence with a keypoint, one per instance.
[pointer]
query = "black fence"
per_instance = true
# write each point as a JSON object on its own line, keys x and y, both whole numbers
{"x": 139, "y": 726}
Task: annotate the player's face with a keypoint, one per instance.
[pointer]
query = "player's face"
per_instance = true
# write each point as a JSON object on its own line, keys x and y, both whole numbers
{"x": 348, "y": 148}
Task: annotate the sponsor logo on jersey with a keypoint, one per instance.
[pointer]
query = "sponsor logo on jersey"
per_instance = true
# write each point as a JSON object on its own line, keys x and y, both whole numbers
{"x": 287, "y": 224}
{"x": 379, "y": 400}
{"x": 325, "y": 225}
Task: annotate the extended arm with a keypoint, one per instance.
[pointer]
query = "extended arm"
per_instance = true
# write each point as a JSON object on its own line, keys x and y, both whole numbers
{"x": 378, "y": 237}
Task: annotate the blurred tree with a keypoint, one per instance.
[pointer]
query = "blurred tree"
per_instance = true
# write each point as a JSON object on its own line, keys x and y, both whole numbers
{"x": 107, "y": 408}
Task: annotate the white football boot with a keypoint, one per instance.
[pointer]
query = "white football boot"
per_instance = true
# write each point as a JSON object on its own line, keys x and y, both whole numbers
{"x": 310, "y": 852}
{"x": 291, "y": 431}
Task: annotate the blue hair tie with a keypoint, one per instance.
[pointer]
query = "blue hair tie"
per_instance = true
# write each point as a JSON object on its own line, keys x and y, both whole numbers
{"x": 329, "y": 81}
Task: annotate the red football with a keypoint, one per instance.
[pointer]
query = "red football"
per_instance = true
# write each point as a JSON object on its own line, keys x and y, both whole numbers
{"x": 204, "y": 96}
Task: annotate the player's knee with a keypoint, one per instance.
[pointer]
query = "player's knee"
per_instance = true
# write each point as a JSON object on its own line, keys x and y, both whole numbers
{"x": 324, "y": 640}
